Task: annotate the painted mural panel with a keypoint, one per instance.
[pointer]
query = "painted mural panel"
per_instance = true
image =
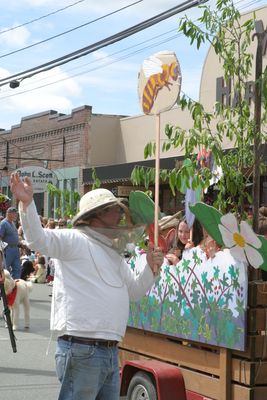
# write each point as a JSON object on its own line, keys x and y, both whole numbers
{"x": 201, "y": 299}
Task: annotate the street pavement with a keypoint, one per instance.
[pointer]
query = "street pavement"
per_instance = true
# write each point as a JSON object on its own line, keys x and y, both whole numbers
{"x": 29, "y": 374}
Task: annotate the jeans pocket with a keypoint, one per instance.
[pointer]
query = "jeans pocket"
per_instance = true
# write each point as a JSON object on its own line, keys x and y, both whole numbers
{"x": 60, "y": 359}
{"x": 81, "y": 351}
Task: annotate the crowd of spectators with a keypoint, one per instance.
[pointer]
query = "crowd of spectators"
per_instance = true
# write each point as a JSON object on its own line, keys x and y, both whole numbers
{"x": 32, "y": 266}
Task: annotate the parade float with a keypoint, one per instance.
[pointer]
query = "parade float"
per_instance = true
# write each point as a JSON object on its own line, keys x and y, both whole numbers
{"x": 200, "y": 332}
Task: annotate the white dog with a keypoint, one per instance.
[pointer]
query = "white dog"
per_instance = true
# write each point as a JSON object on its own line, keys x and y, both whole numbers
{"x": 17, "y": 292}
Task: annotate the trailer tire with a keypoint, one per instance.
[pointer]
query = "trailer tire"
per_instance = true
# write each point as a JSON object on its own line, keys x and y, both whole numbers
{"x": 141, "y": 387}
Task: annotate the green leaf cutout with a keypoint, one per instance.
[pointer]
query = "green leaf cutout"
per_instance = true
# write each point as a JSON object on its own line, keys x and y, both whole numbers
{"x": 210, "y": 218}
{"x": 141, "y": 208}
{"x": 263, "y": 252}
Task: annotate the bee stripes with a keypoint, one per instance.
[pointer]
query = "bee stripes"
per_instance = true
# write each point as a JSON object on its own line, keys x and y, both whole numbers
{"x": 156, "y": 82}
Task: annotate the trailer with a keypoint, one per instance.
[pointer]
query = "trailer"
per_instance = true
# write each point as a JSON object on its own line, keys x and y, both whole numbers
{"x": 160, "y": 367}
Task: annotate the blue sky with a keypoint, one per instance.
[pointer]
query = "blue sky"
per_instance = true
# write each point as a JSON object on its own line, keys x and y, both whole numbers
{"x": 101, "y": 79}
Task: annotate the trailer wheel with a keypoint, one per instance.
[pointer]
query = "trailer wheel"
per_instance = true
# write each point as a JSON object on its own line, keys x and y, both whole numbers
{"x": 141, "y": 387}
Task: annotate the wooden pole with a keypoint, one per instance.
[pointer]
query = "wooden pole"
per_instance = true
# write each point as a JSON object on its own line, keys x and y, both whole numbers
{"x": 157, "y": 169}
{"x": 225, "y": 374}
{"x": 260, "y": 33}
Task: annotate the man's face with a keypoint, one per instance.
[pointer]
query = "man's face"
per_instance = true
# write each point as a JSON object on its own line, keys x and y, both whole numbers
{"x": 110, "y": 216}
{"x": 12, "y": 216}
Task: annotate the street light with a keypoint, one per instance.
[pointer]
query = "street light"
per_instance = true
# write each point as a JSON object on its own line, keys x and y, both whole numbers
{"x": 14, "y": 84}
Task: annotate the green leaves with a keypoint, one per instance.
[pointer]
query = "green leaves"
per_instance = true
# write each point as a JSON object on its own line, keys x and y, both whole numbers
{"x": 141, "y": 208}
{"x": 67, "y": 200}
{"x": 97, "y": 182}
{"x": 210, "y": 218}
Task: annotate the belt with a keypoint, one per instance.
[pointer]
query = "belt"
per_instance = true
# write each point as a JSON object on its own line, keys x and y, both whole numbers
{"x": 88, "y": 341}
{"x": 12, "y": 245}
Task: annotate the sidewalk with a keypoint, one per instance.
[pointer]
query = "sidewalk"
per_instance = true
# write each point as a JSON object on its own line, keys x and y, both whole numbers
{"x": 29, "y": 374}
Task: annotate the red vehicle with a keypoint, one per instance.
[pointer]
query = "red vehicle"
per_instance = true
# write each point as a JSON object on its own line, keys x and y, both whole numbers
{"x": 155, "y": 380}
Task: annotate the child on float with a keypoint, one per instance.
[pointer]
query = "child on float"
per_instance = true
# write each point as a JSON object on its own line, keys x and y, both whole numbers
{"x": 186, "y": 239}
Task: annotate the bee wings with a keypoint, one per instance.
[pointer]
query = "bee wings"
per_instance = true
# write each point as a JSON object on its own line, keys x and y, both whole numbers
{"x": 151, "y": 66}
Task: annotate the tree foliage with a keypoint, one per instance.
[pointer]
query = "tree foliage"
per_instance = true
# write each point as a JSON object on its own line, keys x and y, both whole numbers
{"x": 230, "y": 38}
{"x": 66, "y": 200}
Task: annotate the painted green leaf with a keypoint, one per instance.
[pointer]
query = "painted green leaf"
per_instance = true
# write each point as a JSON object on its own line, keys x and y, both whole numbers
{"x": 263, "y": 251}
{"x": 210, "y": 219}
{"x": 141, "y": 208}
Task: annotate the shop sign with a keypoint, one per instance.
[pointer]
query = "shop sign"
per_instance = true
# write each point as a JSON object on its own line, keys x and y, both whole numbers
{"x": 124, "y": 191}
{"x": 39, "y": 176}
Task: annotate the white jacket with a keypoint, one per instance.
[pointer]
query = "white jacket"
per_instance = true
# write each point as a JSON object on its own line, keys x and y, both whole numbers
{"x": 92, "y": 284}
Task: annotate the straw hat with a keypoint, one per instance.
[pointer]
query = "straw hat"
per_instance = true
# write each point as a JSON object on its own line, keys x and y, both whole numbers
{"x": 94, "y": 199}
{"x": 169, "y": 221}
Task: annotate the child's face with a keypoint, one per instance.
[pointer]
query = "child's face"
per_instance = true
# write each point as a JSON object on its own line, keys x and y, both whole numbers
{"x": 183, "y": 232}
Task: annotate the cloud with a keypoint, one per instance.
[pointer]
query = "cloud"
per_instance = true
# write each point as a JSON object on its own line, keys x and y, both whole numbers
{"x": 14, "y": 38}
{"x": 59, "y": 97}
{"x": 99, "y": 7}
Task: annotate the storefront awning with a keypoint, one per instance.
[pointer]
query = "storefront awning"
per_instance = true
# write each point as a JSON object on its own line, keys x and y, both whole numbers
{"x": 122, "y": 172}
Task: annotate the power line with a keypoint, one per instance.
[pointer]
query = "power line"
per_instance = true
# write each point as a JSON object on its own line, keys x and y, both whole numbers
{"x": 110, "y": 62}
{"x": 121, "y": 58}
{"x": 103, "y": 43}
{"x": 70, "y": 30}
{"x": 108, "y": 57}
{"x": 39, "y": 18}
{"x": 94, "y": 69}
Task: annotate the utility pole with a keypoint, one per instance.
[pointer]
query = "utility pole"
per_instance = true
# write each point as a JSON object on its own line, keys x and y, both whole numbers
{"x": 261, "y": 35}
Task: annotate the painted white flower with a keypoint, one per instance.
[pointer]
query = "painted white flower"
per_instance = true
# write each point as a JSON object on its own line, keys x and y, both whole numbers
{"x": 241, "y": 241}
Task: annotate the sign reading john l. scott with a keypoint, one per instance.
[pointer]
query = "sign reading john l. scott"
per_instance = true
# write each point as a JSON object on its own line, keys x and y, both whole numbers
{"x": 39, "y": 176}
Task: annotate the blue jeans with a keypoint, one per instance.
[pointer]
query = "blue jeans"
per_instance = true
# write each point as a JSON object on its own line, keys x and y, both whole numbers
{"x": 12, "y": 262}
{"x": 87, "y": 372}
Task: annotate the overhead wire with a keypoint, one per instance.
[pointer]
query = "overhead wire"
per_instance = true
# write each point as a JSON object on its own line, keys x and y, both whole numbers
{"x": 102, "y": 43}
{"x": 91, "y": 22}
{"x": 110, "y": 62}
{"x": 70, "y": 30}
{"x": 103, "y": 58}
{"x": 197, "y": 2}
{"x": 39, "y": 18}
{"x": 138, "y": 51}
{"x": 106, "y": 57}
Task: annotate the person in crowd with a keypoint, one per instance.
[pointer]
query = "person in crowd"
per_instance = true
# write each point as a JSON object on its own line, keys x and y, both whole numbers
{"x": 25, "y": 252}
{"x": 9, "y": 235}
{"x": 50, "y": 270}
{"x": 27, "y": 270}
{"x": 186, "y": 239}
{"x": 20, "y": 232}
{"x": 92, "y": 288}
{"x": 62, "y": 223}
{"x": 44, "y": 222}
{"x": 51, "y": 223}
{"x": 39, "y": 274}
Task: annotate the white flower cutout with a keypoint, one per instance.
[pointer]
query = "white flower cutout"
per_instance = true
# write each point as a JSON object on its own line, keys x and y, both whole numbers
{"x": 241, "y": 240}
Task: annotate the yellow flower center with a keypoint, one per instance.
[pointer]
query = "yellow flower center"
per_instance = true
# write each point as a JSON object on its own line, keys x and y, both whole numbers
{"x": 239, "y": 240}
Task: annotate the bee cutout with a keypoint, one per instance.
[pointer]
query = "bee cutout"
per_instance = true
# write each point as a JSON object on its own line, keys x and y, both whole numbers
{"x": 160, "y": 71}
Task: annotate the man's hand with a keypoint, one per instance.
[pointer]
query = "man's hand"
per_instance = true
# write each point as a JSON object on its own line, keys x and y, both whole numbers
{"x": 154, "y": 259}
{"x": 22, "y": 189}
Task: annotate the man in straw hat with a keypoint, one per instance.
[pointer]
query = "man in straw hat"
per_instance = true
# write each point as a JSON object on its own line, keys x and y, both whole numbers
{"x": 91, "y": 292}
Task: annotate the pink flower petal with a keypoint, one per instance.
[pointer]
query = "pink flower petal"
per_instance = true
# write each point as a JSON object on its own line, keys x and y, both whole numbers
{"x": 238, "y": 253}
{"x": 254, "y": 257}
{"x": 227, "y": 236}
{"x": 229, "y": 222}
{"x": 249, "y": 235}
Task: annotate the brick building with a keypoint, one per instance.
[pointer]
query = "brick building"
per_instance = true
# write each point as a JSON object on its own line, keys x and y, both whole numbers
{"x": 55, "y": 141}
